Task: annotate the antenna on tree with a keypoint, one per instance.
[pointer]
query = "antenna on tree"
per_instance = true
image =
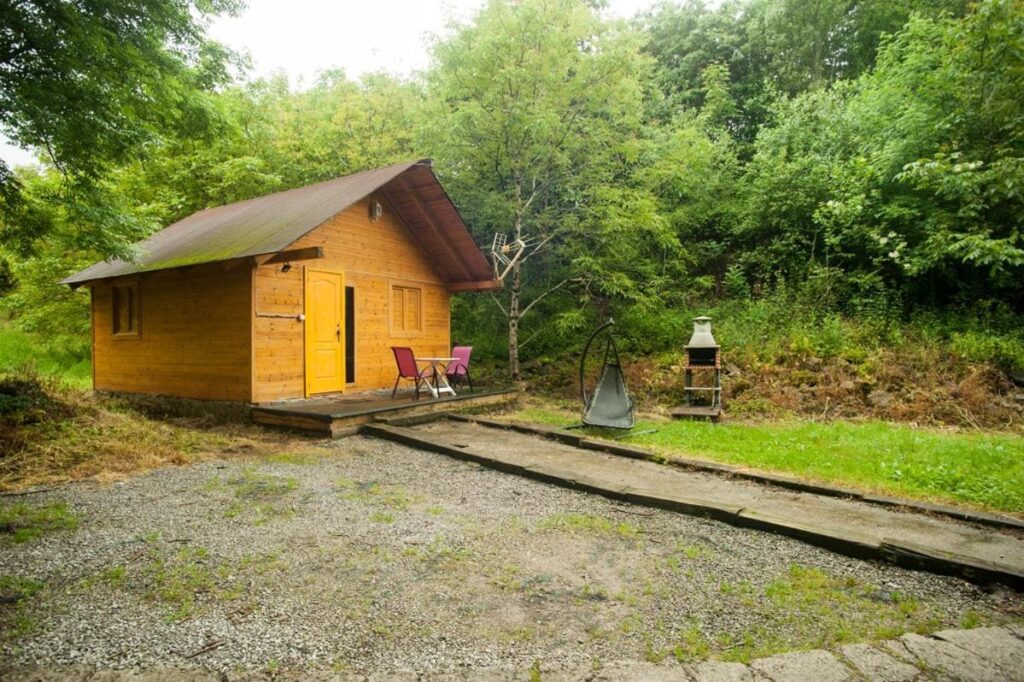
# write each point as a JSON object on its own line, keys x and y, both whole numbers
{"x": 506, "y": 254}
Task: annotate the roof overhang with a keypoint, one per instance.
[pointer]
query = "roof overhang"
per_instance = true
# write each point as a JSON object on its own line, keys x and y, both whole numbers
{"x": 264, "y": 228}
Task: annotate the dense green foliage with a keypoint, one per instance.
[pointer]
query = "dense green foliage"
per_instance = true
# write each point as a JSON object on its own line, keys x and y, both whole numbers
{"x": 89, "y": 84}
{"x": 819, "y": 159}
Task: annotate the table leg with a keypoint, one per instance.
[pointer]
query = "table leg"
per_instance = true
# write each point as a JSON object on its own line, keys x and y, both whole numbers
{"x": 447, "y": 387}
{"x": 434, "y": 390}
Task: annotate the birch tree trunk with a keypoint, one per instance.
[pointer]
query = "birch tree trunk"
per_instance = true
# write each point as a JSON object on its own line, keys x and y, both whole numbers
{"x": 514, "y": 315}
{"x": 514, "y": 303}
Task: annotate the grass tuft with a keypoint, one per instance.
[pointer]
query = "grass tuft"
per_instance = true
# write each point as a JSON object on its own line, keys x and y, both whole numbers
{"x": 21, "y": 522}
{"x": 588, "y": 523}
{"x": 15, "y": 594}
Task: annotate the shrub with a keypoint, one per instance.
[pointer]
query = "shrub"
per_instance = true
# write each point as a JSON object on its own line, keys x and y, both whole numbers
{"x": 1003, "y": 351}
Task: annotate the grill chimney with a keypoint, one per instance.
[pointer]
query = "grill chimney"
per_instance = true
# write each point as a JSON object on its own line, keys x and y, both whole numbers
{"x": 702, "y": 350}
{"x": 702, "y": 337}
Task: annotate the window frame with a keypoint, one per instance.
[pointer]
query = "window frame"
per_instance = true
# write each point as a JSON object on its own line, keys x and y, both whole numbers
{"x": 403, "y": 332}
{"x": 135, "y": 303}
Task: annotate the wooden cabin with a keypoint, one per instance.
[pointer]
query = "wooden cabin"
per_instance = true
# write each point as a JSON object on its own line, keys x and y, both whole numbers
{"x": 289, "y": 295}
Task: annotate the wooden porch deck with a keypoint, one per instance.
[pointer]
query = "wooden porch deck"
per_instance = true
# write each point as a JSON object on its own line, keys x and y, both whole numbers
{"x": 342, "y": 415}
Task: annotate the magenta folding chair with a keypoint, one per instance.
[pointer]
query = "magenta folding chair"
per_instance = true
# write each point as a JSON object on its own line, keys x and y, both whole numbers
{"x": 407, "y": 369}
{"x": 459, "y": 367}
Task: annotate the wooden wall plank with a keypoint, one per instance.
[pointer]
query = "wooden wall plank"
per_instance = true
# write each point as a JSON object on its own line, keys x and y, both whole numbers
{"x": 372, "y": 255}
{"x": 194, "y": 337}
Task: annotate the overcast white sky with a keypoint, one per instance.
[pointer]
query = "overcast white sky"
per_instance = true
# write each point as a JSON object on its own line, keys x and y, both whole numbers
{"x": 303, "y": 37}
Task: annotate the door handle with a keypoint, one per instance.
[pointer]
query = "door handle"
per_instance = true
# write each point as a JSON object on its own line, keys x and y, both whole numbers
{"x": 338, "y": 332}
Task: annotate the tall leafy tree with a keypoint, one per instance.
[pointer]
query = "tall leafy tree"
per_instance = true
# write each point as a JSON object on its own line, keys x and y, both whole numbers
{"x": 91, "y": 83}
{"x": 944, "y": 129}
{"x": 537, "y": 107}
{"x": 911, "y": 173}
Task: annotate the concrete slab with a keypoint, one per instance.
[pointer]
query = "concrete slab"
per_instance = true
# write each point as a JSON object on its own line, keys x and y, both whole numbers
{"x": 877, "y": 665}
{"x": 817, "y": 665}
{"x": 949, "y": 659}
{"x": 716, "y": 671}
{"x": 997, "y": 645}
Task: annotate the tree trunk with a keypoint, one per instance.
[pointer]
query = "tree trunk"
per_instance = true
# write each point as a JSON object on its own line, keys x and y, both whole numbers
{"x": 513, "y": 324}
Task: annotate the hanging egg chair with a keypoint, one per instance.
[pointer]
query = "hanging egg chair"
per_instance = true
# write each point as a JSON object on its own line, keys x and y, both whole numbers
{"x": 609, "y": 405}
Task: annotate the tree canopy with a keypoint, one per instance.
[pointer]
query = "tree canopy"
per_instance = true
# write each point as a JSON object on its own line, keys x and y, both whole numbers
{"x": 868, "y": 153}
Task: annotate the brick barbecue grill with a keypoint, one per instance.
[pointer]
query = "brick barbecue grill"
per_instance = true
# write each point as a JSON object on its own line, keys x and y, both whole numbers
{"x": 704, "y": 355}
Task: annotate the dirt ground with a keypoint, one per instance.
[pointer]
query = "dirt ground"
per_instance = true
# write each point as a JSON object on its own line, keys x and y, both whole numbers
{"x": 361, "y": 555}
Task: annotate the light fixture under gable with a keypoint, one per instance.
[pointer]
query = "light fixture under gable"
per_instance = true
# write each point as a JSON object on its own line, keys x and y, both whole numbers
{"x": 376, "y": 210}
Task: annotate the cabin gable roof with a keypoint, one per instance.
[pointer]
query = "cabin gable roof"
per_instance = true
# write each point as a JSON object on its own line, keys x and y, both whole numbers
{"x": 268, "y": 224}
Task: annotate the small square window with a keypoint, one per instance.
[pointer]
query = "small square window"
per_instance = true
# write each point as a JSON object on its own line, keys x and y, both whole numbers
{"x": 126, "y": 309}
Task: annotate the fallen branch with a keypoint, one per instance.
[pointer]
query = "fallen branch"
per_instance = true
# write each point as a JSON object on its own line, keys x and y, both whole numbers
{"x": 216, "y": 644}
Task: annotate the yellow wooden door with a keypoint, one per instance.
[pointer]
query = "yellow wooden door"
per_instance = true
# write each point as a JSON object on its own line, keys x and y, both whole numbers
{"x": 325, "y": 331}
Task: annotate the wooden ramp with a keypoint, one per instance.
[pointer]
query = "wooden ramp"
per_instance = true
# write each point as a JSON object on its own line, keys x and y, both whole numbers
{"x": 342, "y": 415}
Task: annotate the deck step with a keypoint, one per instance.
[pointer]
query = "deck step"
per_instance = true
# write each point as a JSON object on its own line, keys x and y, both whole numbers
{"x": 342, "y": 416}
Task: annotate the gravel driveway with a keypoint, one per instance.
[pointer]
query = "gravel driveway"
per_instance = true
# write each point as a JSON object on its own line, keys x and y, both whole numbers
{"x": 361, "y": 555}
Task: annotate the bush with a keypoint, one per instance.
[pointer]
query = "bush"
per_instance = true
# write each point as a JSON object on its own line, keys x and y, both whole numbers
{"x": 25, "y": 399}
{"x": 1003, "y": 351}
{"x": 65, "y": 358}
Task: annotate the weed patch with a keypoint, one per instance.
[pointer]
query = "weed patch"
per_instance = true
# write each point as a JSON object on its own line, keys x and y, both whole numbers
{"x": 806, "y": 608}
{"x": 588, "y": 523}
{"x": 291, "y": 457}
{"x": 189, "y": 580}
{"x": 393, "y": 497}
{"x": 256, "y": 495}
{"x": 439, "y": 554}
{"x": 21, "y": 522}
{"x": 15, "y": 593}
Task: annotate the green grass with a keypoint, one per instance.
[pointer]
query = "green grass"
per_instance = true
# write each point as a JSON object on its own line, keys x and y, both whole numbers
{"x": 975, "y": 468}
{"x": 15, "y": 595}
{"x": 805, "y": 608}
{"x": 588, "y": 523}
{"x": 21, "y": 522}
{"x": 18, "y": 349}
